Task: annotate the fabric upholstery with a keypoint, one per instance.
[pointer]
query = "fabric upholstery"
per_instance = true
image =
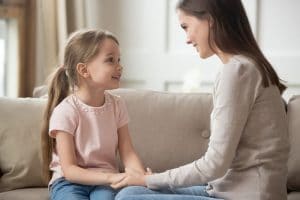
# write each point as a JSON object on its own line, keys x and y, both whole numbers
{"x": 20, "y": 158}
{"x": 294, "y": 135}
{"x": 26, "y": 194}
{"x": 168, "y": 129}
{"x": 294, "y": 196}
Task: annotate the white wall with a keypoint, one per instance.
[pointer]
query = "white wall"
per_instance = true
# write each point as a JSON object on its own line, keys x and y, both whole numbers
{"x": 279, "y": 37}
{"x": 156, "y": 57}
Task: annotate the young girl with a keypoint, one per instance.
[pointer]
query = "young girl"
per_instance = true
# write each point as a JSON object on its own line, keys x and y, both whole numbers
{"x": 85, "y": 125}
{"x": 247, "y": 153}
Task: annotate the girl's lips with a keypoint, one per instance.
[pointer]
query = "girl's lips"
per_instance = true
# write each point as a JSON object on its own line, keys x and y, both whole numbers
{"x": 116, "y": 77}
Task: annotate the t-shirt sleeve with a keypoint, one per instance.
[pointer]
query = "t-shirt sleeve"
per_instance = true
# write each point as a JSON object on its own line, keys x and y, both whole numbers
{"x": 122, "y": 113}
{"x": 63, "y": 118}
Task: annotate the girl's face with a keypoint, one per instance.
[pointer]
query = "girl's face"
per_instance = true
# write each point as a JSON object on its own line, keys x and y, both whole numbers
{"x": 197, "y": 33}
{"x": 104, "y": 71}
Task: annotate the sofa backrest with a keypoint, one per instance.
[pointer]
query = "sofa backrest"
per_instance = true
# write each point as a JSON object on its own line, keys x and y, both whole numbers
{"x": 167, "y": 130}
{"x": 294, "y": 136}
{"x": 20, "y": 156}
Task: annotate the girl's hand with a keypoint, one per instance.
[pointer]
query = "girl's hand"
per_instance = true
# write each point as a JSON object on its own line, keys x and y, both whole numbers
{"x": 132, "y": 178}
{"x": 116, "y": 177}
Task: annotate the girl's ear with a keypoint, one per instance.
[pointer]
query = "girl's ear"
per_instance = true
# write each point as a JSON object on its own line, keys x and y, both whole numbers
{"x": 82, "y": 70}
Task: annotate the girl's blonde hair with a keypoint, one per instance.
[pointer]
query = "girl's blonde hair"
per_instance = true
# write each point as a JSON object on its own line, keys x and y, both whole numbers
{"x": 82, "y": 46}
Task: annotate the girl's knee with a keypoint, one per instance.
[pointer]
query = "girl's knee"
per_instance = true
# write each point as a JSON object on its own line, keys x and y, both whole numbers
{"x": 131, "y": 190}
{"x": 103, "y": 192}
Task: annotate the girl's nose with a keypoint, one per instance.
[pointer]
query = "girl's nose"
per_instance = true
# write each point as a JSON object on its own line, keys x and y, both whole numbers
{"x": 120, "y": 67}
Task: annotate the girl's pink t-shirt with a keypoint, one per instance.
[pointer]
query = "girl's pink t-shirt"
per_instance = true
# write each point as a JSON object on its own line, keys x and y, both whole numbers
{"x": 94, "y": 130}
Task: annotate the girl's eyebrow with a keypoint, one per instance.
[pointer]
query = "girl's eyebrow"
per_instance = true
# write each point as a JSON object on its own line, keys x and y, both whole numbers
{"x": 109, "y": 54}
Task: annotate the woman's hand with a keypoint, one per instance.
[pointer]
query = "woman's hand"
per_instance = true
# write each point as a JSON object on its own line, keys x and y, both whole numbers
{"x": 116, "y": 177}
{"x": 133, "y": 177}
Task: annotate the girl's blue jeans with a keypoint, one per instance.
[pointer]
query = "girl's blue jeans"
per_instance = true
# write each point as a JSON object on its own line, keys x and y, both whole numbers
{"x": 143, "y": 193}
{"x": 62, "y": 189}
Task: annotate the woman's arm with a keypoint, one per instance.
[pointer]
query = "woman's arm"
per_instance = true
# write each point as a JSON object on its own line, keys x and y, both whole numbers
{"x": 127, "y": 153}
{"x": 236, "y": 94}
{"x": 72, "y": 172}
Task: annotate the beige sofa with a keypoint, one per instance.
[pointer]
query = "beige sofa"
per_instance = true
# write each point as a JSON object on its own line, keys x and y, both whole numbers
{"x": 167, "y": 130}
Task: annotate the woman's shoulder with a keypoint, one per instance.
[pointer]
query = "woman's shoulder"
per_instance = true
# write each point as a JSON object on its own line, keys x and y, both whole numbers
{"x": 240, "y": 65}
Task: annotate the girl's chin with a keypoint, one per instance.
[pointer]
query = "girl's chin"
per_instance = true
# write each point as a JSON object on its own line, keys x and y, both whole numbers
{"x": 115, "y": 86}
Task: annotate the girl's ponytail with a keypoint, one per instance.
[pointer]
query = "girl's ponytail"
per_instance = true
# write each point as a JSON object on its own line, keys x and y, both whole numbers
{"x": 58, "y": 90}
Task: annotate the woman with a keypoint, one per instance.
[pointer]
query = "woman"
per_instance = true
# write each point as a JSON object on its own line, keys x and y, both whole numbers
{"x": 248, "y": 148}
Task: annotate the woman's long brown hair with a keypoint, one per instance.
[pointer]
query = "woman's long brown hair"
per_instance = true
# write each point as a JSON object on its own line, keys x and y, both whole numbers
{"x": 81, "y": 47}
{"x": 231, "y": 33}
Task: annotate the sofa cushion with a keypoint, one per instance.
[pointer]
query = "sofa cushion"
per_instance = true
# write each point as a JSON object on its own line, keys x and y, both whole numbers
{"x": 168, "y": 129}
{"x": 294, "y": 196}
{"x": 294, "y": 134}
{"x": 20, "y": 156}
{"x": 28, "y": 194}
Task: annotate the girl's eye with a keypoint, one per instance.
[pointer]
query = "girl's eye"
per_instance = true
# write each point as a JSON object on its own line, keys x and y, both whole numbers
{"x": 110, "y": 60}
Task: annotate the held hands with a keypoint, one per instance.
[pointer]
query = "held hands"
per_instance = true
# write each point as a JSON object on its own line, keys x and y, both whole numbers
{"x": 132, "y": 177}
{"x": 116, "y": 177}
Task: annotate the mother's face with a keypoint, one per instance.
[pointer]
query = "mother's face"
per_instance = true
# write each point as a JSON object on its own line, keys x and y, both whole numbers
{"x": 197, "y": 33}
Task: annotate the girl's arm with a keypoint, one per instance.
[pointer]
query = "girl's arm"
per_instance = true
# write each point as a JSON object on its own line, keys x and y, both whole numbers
{"x": 72, "y": 172}
{"x": 127, "y": 153}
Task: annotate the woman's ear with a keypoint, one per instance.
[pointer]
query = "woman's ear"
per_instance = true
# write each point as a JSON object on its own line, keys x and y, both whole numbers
{"x": 210, "y": 22}
{"x": 82, "y": 70}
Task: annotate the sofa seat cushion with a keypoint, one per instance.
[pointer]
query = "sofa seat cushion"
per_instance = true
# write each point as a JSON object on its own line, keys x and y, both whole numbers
{"x": 294, "y": 196}
{"x": 293, "y": 182}
{"x": 20, "y": 153}
{"x": 29, "y": 194}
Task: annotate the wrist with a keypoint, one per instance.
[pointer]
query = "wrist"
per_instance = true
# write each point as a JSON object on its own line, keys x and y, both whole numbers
{"x": 109, "y": 177}
{"x": 144, "y": 179}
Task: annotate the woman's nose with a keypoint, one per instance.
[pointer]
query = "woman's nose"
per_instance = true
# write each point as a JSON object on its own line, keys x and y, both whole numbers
{"x": 188, "y": 40}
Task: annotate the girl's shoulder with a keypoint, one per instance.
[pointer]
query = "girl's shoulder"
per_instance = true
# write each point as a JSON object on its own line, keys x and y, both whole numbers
{"x": 67, "y": 105}
{"x": 116, "y": 100}
{"x": 112, "y": 98}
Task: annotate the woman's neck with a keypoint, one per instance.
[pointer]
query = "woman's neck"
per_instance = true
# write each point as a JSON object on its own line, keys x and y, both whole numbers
{"x": 224, "y": 57}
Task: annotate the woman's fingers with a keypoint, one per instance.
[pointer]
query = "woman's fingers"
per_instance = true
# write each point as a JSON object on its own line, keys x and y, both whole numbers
{"x": 148, "y": 171}
{"x": 120, "y": 184}
{"x": 116, "y": 178}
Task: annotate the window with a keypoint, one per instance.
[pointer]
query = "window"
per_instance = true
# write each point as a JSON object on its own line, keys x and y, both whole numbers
{"x": 2, "y": 56}
{"x": 10, "y": 58}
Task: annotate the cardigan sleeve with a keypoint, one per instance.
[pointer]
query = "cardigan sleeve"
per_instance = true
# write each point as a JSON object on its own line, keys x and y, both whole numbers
{"x": 237, "y": 89}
